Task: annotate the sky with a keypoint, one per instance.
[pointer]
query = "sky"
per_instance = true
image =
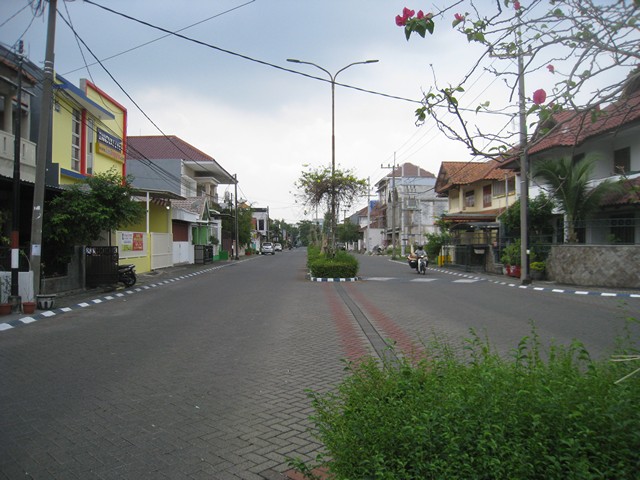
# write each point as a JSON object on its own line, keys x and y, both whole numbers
{"x": 238, "y": 103}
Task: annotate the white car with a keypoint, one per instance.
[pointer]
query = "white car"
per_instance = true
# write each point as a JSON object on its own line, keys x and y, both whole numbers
{"x": 267, "y": 247}
{"x": 277, "y": 247}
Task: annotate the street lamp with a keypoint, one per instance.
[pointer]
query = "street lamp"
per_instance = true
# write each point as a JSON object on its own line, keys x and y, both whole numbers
{"x": 333, "y": 135}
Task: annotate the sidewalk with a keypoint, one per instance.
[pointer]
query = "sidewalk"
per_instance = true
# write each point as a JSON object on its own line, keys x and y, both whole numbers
{"x": 76, "y": 299}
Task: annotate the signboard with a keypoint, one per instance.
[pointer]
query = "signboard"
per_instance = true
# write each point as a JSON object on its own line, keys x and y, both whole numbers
{"x": 109, "y": 145}
{"x": 132, "y": 244}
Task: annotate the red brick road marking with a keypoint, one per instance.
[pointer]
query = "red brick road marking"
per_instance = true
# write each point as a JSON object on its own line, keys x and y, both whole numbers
{"x": 391, "y": 329}
{"x": 353, "y": 344}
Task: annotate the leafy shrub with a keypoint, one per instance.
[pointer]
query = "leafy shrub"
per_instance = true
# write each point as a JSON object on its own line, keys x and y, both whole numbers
{"x": 342, "y": 265}
{"x": 480, "y": 416}
{"x": 511, "y": 253}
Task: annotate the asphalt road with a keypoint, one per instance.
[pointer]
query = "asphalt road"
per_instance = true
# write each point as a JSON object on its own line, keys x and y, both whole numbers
{"x": 205, "y": 377}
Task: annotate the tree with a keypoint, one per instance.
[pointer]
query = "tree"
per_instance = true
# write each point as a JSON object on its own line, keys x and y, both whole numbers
{"x": 244, "y": 223}
{"x": 570, "y": 187}
{"x": 540, "y": 214}
{"x": 316, "y": 187}
{"x": 348, "y": 232}
{"x": 573, "y": 49}
{"x": 82, "y": 213}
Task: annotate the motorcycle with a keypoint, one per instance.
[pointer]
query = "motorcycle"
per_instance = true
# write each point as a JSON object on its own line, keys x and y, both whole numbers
{"x": 423, "y": 262}
{"x": 127, "y": 275}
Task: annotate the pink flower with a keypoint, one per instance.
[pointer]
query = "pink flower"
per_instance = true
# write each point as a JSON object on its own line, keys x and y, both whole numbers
{"x": 406, "y": 13}
{"x": 458, "y": 17}
{"x": 551, "y": 68}
{"x": 539, "y": 96}
{"x": 517, "y": 5}
{"x": 402, "y": 20}
{"x": 420, "y": 14}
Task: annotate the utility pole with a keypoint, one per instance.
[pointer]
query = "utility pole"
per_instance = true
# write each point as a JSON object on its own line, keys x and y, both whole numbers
{"x": 393, "y": 206}
{"x": 14, "y": 299}
{"x": 43, "y": 149}
{"x": 524, "y": 167}
{"x": 235, "y": 183}
{"x": 366, "y": 240}
{"x": 524, "y": 158}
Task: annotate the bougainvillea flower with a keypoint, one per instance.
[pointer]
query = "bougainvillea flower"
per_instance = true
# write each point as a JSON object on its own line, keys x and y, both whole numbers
{"x": 539, "y": 96}
{"x": 420, "y": 14}
{"x": 551, "y": 68}
{"x": 458, "y": 17}
{"x": 408, "y": 13}
{"x": 517, "y": 5}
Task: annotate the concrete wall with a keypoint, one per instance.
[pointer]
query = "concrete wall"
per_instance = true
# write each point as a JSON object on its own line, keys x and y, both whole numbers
{"x": 594, "y": 265}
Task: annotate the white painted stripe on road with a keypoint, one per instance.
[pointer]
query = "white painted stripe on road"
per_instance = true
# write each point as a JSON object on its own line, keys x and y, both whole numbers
{"x": 381, "y": 279}
{"x": 5, "y": 326}
{"x": 581, "y": 292}
{"x": 426, "y": 280}
{"x": 465, "y": 280}
{"x": 48, "y": 313}
{"x": 66, "y": 309}
{"x": 557, "y": 290}
{"x": 27, "y": 320}
{"x": 606, "y": 294}
{"x": 83, "y": 304}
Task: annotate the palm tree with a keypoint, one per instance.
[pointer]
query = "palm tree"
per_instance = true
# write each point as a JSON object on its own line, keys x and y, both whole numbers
{"x": 569, "y": 183}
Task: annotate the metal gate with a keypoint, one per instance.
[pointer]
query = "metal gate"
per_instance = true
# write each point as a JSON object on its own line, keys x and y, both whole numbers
{"x": 203, "y": 254}
{"x": 101, "y": 266}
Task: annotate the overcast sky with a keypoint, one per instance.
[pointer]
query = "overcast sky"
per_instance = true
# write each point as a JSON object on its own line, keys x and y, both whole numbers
{"x": 260, "y": 122}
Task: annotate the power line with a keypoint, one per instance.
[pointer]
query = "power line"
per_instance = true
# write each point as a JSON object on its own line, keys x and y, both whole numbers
{"x": 163, "y": 36}
{"x": 248, "y": 58}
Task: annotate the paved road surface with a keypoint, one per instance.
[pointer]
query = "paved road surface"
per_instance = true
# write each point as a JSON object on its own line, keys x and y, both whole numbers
{"x": 205, "y": 376}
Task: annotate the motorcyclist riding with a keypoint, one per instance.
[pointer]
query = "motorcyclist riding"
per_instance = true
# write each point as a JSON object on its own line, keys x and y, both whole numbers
{"x": 419, "y": 252}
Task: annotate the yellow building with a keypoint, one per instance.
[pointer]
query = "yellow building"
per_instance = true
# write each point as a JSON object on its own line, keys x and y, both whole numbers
{"x": 89, "y": 132}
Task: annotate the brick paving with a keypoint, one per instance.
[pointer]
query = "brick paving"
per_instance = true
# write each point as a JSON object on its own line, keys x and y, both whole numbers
{"x": 202, "y": 373}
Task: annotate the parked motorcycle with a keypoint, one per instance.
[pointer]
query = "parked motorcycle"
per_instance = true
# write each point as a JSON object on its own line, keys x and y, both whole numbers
{"x": 127, "y": 275}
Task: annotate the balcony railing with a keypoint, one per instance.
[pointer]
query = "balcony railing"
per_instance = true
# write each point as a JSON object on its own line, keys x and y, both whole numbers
{"x": 27, "y": 157}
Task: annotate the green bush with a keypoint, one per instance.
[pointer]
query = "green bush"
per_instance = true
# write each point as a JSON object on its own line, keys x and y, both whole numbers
{"x": 480, "y": 416}
{"x": 342, "y": 265}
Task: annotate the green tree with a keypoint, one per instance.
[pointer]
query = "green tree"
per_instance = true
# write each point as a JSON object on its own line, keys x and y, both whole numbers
{"x": 84, "y": 212}
{"x": 570, "y": 187}
{"x": 540, "y": 215}
{"x": 348, "y": 232}
{"x": 244, "y": 223}
{"x": 306, "y": 232}
{"x": 317, "y": 186}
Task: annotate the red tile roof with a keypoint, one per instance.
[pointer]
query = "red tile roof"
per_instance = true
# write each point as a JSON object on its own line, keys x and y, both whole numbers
{"x": 160, "y": 147}
{"x": 464, "y": 173}
{"x": 571, "y": 128}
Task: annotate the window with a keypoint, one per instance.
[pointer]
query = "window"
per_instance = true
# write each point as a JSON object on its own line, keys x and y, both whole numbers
{"x": 622, "y": 229}
{"x": 486, "y": 196}
{"x": 75, "y": 141}
{"x": 261, "y": 224}
{"x": 498, "y": 186}
{"x": 470, "y": 199}
{"x": 90, "y": 147}
{"x": 622, "y": 161}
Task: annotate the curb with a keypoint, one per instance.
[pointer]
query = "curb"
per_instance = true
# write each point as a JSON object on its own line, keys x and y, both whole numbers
{"x": 28, "y": 319}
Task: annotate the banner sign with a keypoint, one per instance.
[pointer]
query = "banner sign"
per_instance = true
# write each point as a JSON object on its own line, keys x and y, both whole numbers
{"x": 109, "y": 145}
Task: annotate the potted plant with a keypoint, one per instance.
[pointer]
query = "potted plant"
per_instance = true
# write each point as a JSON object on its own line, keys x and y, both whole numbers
{"x": 537, "y": 270}
{"x": 28, "y": 305}
{"x": 511, "y": 259}
{"x": 5, "y": 291}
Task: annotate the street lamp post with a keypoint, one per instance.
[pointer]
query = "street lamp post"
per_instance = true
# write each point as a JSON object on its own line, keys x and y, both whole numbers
{"x": 333, "y": 135}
